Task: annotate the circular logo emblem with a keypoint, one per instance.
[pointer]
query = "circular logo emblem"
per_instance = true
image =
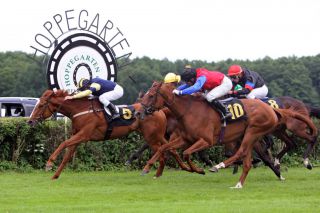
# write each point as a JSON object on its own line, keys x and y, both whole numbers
{"x": 80, "y": 55}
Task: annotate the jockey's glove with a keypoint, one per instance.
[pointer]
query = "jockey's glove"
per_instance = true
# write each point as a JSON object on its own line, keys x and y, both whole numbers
{"x": 177, "y": 92}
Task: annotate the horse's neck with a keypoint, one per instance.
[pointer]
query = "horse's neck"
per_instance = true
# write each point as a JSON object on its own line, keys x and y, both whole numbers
{"x": 178, "y": 105}
{"x": 73, "y": 107}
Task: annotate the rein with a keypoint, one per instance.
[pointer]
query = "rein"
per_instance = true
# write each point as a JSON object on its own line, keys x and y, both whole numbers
{"x": 150, "y": 109}
{"x": 47, "y": 106}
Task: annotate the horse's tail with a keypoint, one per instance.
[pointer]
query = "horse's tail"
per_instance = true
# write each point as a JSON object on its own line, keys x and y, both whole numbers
{"x": 286, "y": 113}
{"x": 314, "y": 111}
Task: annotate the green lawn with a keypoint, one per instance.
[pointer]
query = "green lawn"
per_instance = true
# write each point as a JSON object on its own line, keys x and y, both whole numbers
{"x": 176, "y": 191}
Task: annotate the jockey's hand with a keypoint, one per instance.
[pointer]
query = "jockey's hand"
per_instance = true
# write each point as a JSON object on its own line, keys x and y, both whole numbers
{"x": 68, "y": 97}
{"x": 231, "y": 92}
{"x": 177, "y": 92}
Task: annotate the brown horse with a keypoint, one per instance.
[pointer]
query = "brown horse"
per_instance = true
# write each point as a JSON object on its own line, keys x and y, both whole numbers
{"x": 200, "y": 126}
{"x": 297, "y": 127}
{"x": 89, "y": 124}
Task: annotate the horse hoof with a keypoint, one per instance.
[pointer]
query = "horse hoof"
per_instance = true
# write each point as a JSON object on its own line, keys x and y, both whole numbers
{"x": 281, "y": 178}
{"x": 309, "y": 166}
{"x": 127, "y": 163}
{"x": 48, "y": 168}
{"x": 202, "y": 172}
{"x": 54, "y": 177}
{"x": 144, "y": 172}
{"x": 237, "y": 186}
{"x": 213, "y": 169}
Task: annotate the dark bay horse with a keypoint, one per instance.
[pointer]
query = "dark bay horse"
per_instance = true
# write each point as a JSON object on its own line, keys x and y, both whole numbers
{"x": 89, "y": 124}
{"x": 297, "y": 128}
{"x": 200, "y": 126}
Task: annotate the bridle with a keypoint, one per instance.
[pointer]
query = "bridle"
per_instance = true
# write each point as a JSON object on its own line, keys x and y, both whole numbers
{"x": 46, "y": 106}
{"x": 151, "y": 108}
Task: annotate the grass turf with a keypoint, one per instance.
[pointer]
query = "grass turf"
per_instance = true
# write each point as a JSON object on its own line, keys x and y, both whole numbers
{"x": 176, "y": 191}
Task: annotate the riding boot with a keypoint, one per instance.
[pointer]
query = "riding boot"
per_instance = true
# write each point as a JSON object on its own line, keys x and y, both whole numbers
{"x": 113, "y": 111}
{"x": 224, "y": 112}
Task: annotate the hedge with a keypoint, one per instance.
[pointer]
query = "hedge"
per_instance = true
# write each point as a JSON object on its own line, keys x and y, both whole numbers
{"x": 24, "y": 148}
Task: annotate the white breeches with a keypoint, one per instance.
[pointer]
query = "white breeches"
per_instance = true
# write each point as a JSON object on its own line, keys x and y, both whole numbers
{"x": 115, "y": 94}
{"x": 259, "y": 93}
{"x": 221, "y": 90}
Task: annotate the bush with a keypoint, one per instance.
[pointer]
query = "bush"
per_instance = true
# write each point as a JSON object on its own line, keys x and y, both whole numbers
{"x": 23, "y": 148}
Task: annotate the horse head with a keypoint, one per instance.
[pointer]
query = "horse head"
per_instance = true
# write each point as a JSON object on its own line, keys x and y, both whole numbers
{"x": 46, "y": 106}
{"x": 157, "y": 97}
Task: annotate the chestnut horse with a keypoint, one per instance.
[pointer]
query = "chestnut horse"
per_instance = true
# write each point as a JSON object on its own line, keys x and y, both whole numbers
{"x": 89, "y": 124}
{"x": 296, "y": 127}
{"x": 200, "y": 126}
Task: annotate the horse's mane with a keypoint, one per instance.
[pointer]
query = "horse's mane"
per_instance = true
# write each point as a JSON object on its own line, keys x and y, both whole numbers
{"x": 195, "y": 97}
{"x": 61, "y": 92}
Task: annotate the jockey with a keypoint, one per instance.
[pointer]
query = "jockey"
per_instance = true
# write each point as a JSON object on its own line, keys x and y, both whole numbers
{"x": 106, "y": 91}
{"x": 215, "y": 83}
{"x": 252, "y": 83}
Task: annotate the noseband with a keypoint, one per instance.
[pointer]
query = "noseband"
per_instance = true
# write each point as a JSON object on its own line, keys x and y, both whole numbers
{"x": 41, "y": 118}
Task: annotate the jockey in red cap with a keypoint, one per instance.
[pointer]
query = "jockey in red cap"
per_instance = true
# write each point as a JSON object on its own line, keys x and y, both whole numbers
{"x": 252, "y": 83}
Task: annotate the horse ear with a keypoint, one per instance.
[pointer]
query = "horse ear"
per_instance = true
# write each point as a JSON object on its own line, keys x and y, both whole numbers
{"x": 141, "y": 94}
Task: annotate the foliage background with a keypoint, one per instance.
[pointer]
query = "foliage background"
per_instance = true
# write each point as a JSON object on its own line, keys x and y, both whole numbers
{"x": 23, "y": 148}
{"x": 292, "y": 76}
{"x": 26, "y": 148}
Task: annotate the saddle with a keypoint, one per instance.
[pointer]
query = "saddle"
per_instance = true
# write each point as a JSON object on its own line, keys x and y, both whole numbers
{"x": 126, "y": 118}
{"x": 273, "y": 102}
{"x": 236, "y": 108}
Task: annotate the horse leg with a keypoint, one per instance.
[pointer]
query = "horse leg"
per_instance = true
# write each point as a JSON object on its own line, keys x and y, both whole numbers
{"x": 247, "y": 163}
{"x": 162, "y": 163}
{"x": 75, "y": 139}
{"x": 175, "y": 144}
{"x": 289, "y": 144}
{"x": 197, "y": 146}
{"x": 204, "y": 157}
{"x": 66, "y": 158}
{"x": 300, "y": 129}
{"x": 245, "y": 146}
{"x": 266, "y": 159}
{"x": 182, "y": 165}
{"x": 306, "y": 154}
{"x": 137, "y": 154}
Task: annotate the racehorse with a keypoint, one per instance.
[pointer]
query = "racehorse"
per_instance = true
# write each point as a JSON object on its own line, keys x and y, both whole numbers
{"x": 89, "y": 124}
{"x": 200, "y": 126}
{"x": 297, "y": 127}
{"x": 171, "y": 127}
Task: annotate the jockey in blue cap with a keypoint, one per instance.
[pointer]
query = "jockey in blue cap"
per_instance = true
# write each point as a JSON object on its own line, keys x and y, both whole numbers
{"x": 106, "y": 91}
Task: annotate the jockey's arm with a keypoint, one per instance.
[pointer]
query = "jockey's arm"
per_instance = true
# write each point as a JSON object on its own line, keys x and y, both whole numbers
{"x": 82, "y": 94}
{"x": 248, "y": 87}
{"x": 93, "y": 87}
{"x": 182, "y": 87}
{"x": 195, "y": 87}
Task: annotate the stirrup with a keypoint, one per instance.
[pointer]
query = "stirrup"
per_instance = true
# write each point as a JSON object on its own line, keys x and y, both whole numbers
{"x": 115, "y": 116}
{"x": 225, "y": 117}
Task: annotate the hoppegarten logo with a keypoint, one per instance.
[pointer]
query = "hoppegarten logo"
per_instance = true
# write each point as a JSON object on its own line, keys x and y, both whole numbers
{"x": 76, "y": 45}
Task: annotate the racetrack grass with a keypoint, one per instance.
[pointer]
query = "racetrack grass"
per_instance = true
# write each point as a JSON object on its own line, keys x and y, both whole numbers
{"x": 176, "y": 191}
